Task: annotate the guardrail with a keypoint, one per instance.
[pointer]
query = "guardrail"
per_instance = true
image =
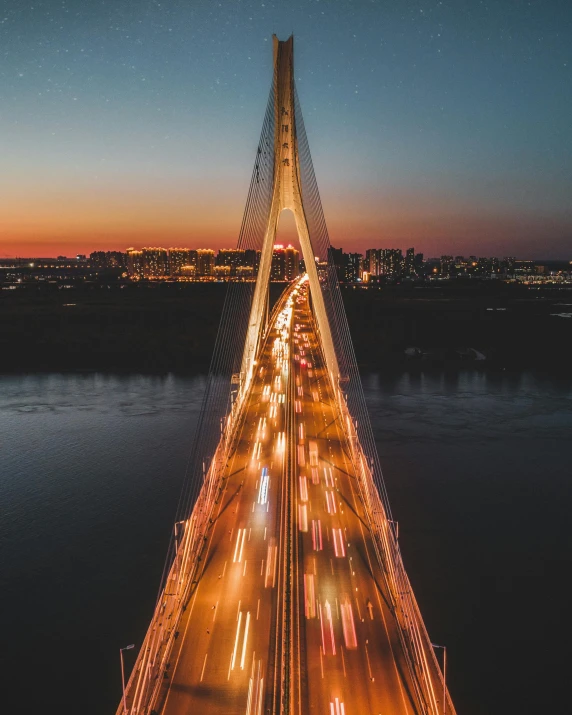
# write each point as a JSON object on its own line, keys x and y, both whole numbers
{"x": 150, "y": 670}
{"x": 413, "y": 634}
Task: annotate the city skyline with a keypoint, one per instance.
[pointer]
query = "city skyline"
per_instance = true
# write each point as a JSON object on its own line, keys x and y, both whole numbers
{"x": 430, "y": 125}
{"x": 196, "y": 246}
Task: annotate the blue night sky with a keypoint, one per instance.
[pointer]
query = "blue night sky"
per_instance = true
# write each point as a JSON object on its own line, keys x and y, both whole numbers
{"x": 443, "y": 125}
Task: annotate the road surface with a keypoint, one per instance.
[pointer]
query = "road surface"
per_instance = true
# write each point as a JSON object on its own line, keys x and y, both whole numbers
{"x": 289, "y": 478}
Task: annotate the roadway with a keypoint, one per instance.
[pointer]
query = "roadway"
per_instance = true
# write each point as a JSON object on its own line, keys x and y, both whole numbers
{"x": 346, "y": 658}
{"x": 351, "y": 659}
{"x": 227, "y": 656}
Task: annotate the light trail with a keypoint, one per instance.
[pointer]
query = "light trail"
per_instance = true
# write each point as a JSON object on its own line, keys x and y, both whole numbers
{"x": 339, "y": 548}
{"x": 246, "y": 627}
{"x": 317, "y": 535}
{"x": 303, "y": 488}
{"x": 264, "y": 485}
{"x": 237, "y": 556}
{"x": 233, "y": 657}
{"x": 348, "y": 625}
{"x": 337, "y": 707}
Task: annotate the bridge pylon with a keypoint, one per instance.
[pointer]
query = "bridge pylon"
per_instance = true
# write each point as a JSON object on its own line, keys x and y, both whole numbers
{"x": 286, "y": 194}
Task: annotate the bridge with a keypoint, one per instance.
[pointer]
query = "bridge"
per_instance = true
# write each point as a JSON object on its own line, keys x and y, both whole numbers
{"x": 284, "y": 590}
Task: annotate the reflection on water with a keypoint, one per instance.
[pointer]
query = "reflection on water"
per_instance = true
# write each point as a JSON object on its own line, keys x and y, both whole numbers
{"x": 477, "y": 468}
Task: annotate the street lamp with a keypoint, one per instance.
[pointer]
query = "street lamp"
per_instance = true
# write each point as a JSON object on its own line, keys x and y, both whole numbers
{"x": 444, "y": 649}
{"x": 127, "y": 647}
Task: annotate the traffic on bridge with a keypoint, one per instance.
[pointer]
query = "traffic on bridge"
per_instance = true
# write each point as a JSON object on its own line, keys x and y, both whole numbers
{"x": 285, "y": 592}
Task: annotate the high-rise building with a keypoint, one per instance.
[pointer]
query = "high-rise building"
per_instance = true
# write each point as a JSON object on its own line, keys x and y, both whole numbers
{"x": 391, "y": 261}
{"x": 252, "y": 259}
{"x": 373, "y": 261}
{"x": 339, "y": 260}
{"x": 233, "y": 258}
{"x": 180, "y": 257}
{"x": 291, "y": 263}
{"x": 135, "y": 263}
{"x": 409, "y": 262}
{"x": 285, "y": 263}
{"x": 278, "y": 269}
{"x": 353, "y": 267}
{"x": 155, "y": 262}
{"x": 205, "y": 261}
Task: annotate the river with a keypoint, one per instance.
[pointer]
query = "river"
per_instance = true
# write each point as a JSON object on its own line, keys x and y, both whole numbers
{"x": 478, "y": 472}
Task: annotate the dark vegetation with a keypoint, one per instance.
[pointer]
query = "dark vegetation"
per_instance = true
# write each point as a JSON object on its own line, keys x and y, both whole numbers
{"x": 163, "y": 327}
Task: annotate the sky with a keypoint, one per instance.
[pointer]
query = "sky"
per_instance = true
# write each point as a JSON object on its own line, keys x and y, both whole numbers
{"x": 440, "y": 125}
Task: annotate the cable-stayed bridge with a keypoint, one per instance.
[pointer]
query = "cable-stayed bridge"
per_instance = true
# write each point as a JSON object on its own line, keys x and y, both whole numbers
{"x": 284, "y": 591}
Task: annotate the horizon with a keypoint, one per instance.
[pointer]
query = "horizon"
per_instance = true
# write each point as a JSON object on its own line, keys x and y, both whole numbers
{"x": 426, "y": 257}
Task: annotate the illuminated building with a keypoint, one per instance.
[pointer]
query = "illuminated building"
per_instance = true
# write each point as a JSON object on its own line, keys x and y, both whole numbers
{"x": 155, "y": 262}
{"x": 245, "y": 272}
{"x": 409, "y": 262}
{"x": 353, "y": 267}
{"x": 373, "y": 261}
{"x": 391, "y": 262}
{"x": 233, "y": 258}
{"x": 446, "y": 265}
{"x": 278, "y": 270}
{"x": 205, "y": 261}
{"x": 180, "y": 257}
{"x": 135, "y": 263}
{"x": 285, "y": 263}
{"x": 221, "y": 271}
{"x": 291, "y": 263}
{"x": 189, "y": 271}
{"x": 105, "y": 260}
{"x": 252, "y": 259}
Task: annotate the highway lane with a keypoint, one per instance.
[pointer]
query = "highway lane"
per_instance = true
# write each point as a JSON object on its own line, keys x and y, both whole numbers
{"x": 226, "y": 658}
{"x": 352, "y": 661}
{"x": 347, "y": 657}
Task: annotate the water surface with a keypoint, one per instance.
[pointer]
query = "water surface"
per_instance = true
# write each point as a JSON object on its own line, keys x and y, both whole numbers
{"x": 478, "y": 474}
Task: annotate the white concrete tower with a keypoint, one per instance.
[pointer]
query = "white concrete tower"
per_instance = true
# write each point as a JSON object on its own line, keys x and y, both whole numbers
{"x": 287, "y": 194}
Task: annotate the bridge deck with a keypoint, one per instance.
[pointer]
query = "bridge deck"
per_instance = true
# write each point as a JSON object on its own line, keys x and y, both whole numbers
{"x": 348, "y": 657}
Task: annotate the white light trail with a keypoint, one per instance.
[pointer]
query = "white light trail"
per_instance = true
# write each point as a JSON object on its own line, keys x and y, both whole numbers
{"x": 317, "y": 535}
{"x": 313, "y": 450}
{"x": 245, "y": 640}
{"x": 264, "y": 484}
{"x": 303, "y": 488}
{"x": 348, "y": 626}
{"x": 237, "y": 557}
{"x": 337, "y": 707}
{"x": 331, "y": 502}
{"x": 233, "y": 658}
{"x": 339, "y": 547}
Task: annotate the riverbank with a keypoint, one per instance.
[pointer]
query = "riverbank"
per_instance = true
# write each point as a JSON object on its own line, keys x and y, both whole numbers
{"x": 158, "y": 328}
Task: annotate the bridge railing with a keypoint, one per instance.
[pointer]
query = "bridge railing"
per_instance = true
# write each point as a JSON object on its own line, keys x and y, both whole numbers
{"x": 150, "y": 671}
{"x": 428, "y": 679}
